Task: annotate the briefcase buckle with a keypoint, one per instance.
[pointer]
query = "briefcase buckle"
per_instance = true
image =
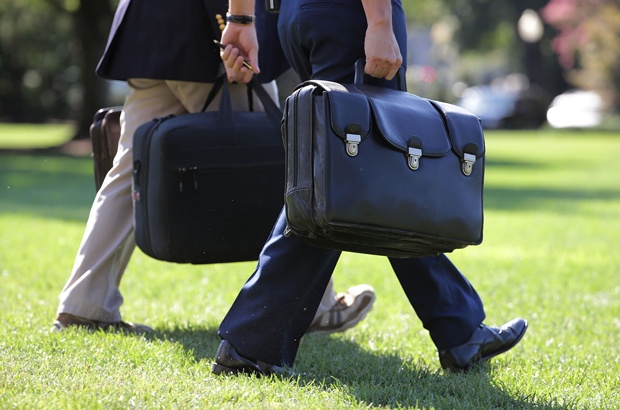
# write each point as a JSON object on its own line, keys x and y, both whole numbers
{"x": 352, "y": 142}
{"x": 467, "y": 164}
{"x": 413, "y": 158}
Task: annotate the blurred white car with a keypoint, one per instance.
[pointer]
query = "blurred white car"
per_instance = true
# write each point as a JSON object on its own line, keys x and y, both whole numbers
{"x": 498, "y": 108}
{"x": 579, "y": 109}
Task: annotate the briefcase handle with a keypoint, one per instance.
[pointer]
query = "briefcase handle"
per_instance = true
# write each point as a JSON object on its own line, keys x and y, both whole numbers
{"x": 360, "y": 64}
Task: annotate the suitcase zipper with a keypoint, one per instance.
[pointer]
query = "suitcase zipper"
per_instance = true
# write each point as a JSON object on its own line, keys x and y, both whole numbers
{"x": 143, "y": 193}
{"x": 295, "y": 142}
{"x": 193, "y": 181}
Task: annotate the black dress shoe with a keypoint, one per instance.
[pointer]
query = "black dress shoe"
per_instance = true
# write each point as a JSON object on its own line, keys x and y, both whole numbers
{"x": 230, "y": 362}
{"x": 483, "y": 344}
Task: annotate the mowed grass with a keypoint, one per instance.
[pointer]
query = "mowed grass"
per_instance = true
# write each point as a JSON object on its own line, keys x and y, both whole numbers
{"x": 26, "y": 136}
{"x": 551, "y": 254}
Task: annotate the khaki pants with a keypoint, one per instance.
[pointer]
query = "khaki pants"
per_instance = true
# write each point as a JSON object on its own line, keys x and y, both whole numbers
{"x": 92, "y": 291}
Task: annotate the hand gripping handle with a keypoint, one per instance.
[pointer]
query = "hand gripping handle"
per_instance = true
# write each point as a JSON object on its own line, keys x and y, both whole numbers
{"x": 359, "y": 75}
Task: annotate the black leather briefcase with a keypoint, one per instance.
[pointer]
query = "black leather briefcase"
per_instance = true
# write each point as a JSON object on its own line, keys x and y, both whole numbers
{"x": 209, "y": 186}
{"x": 381, "y": 171}
{"x": 105, "y": 131}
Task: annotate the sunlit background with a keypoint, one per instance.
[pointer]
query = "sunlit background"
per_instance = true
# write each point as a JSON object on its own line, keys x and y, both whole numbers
{"x": 516, "y": 64}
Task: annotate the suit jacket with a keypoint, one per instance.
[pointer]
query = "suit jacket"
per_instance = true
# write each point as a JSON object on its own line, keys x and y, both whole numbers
{"x": 173, "y": 40}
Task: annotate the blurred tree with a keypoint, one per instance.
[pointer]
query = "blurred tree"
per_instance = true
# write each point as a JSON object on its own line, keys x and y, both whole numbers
{"x": 35, "y": 51}
{"x": 425, "y": 12}
{"x": 91, "y": 23}
{"x": 588, "y": 44}
{"x": 48, "y": 53}
{"x": 491, "y": 26}
{"x": 485, "y": 36}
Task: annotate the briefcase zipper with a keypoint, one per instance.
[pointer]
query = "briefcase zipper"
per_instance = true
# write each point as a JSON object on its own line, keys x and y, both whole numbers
{"x": 193, "y": 181}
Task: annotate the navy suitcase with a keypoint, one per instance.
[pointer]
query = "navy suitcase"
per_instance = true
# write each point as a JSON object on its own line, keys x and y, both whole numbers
{"x": 208, "y": 187}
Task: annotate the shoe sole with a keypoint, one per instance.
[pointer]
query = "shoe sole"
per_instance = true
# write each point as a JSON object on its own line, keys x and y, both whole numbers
{"x": 219, "y": 369}
{"x": 517, "y": 340}
{"x": 57, "y": 327}
{"x": 351, "y": 323}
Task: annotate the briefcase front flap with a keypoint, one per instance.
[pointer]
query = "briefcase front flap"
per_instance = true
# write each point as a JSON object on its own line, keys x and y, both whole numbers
{"x": 464, "y": 128}
{"x": 408, "y": 121}
{"x": 349, "y": 114}
{"x": 404, "y": 120}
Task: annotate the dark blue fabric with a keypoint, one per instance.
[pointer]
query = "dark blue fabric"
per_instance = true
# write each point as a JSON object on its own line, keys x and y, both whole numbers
{"x": 322, "y": 40}
{"x": 173, "y": 40}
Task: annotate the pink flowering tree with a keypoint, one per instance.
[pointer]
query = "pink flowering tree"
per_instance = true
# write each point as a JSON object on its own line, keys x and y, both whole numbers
{"x": 588, "y": 44}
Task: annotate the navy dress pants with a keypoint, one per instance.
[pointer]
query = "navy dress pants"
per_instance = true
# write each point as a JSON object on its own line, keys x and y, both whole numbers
{"x": 322, "y": 39}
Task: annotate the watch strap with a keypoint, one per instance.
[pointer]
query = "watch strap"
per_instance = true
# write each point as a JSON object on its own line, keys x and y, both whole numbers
{"x": 240, "y": 19}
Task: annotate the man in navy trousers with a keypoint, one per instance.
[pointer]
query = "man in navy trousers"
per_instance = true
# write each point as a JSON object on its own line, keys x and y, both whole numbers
{"x": 322, "y": 39}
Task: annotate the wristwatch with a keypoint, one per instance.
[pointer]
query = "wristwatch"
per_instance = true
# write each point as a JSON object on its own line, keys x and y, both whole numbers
{"x": 240, "y": 19}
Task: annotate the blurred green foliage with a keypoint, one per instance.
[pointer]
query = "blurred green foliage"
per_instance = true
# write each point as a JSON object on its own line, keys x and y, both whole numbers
{"x": 37, "y": 61}
{"x": 49, "y": 50}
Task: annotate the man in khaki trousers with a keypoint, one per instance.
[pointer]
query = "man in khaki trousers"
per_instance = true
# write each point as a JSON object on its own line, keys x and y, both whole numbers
{"x": 163, "y": 54}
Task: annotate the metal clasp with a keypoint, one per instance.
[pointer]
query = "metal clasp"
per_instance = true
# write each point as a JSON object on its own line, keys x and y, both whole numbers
{"x": 467, "y": 164}
{"x": 413, "y": 158}
{"x": 352, "y": 142}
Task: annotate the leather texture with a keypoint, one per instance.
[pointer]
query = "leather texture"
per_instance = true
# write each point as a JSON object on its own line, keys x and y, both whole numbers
{"x": 208, "y": 186}
{"x": 105, "y": 132}
{"x": 485, "y": 343}
{"x": 374, "y": 202}
{"x": 229, "y": 361}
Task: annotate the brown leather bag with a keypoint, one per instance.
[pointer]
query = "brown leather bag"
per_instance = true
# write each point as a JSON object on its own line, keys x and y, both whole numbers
{"x": 104, "y": 135}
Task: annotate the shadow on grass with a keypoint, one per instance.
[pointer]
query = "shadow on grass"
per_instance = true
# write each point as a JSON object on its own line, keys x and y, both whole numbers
{"x": 387, "y": 380}
{"x": 374, "y": 379}
{"x": 47, "y": 185}
{"x": 59, "y": 186}
{"x": 490, "y": 163}
{"x": 201, "y": 342}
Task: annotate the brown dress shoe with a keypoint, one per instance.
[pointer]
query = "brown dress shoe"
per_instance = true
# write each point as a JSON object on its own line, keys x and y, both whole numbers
{"x": 65, "y": 320}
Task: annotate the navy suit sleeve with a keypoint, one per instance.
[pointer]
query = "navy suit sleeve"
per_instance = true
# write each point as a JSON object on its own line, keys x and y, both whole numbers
{"x": 272, "y": 60}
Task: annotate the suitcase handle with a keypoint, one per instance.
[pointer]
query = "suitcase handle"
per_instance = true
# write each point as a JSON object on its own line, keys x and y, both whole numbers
{"x": 226, "y": 123}
{"x": 359, "y": 75}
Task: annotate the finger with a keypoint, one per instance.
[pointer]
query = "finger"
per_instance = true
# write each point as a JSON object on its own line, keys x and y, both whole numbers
{"x": 238, "y": 65}
{"x": 253, "y": 59}
{"x": 225, "y": 53}
{"x": 392, "y": 72}
{"x": 239, "y": 72}
{"x": 232, "y": 58}
{"x": 230, "y": 75}
{"x": 378, "y": 70}
{"x": 369, "y": 68}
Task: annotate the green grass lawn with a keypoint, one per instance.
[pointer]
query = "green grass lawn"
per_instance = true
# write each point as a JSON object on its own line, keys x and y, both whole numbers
{"x": 34, "y": 135}
{"x": 551, "y": 254}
